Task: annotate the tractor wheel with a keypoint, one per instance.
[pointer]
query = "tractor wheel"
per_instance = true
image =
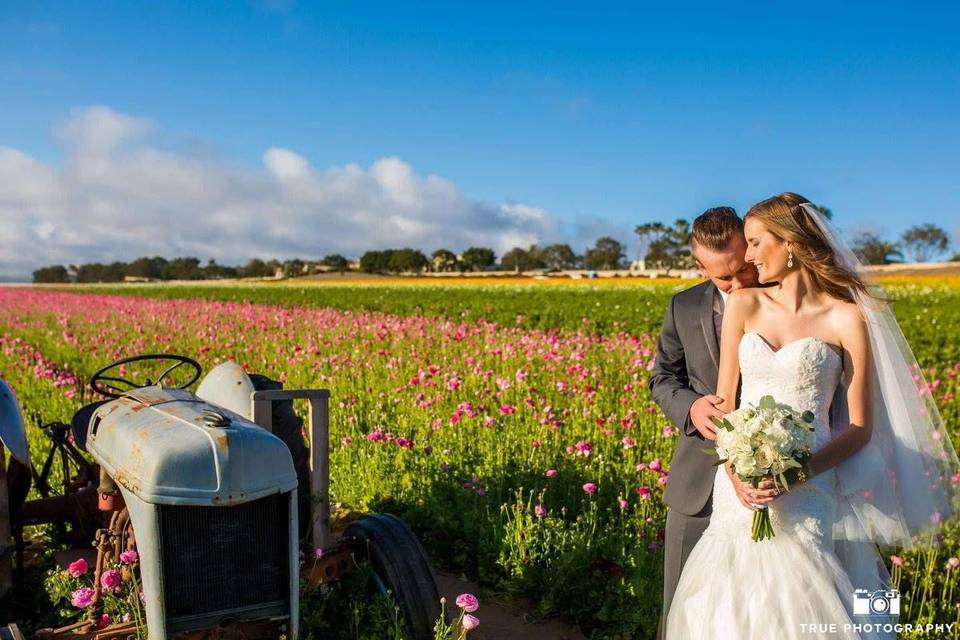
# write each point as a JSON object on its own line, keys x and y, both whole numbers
{"x": 400, "y": 565}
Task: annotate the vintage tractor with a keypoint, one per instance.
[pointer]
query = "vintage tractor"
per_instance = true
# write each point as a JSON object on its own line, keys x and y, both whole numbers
{"x": 211, "y": 489}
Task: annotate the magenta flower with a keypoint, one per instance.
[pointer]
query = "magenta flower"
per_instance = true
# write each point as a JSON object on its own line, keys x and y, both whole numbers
{"x": 470, "y": 622}
{"x": 551, "y": 473}
{"x": 623, "y": 504}
{"x": 643, "y": 492}
{"x": 655, "y": 465}
{"x": 317, "y": 553}
{"x": 77, "y": 568}
{"x": 627, "y": 442}
{"x": 540, "y": 511}
{"x": 128, "y": 557}
{"x": 583, "y": 448}
{"x": 507, "y": 409}
{"x": 468, "y": 602}
{"x": 82, "y": 597}
{"x": 110, "y": 580}
{"x": 590, "y": 488}
{"x": 104, "y": 621}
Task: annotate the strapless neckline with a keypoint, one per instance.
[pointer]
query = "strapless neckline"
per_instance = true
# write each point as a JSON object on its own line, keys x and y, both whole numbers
{"x": 832, "y": 348}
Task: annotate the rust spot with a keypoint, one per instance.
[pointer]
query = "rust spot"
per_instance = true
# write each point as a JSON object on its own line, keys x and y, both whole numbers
{"x": 223, "y": 440}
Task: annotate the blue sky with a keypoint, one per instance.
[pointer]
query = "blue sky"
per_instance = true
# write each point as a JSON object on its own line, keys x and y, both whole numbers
{"x": 586, "y": 119}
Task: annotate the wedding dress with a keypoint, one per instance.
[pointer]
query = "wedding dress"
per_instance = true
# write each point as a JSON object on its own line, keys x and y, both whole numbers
{"x": 792, "y": 586}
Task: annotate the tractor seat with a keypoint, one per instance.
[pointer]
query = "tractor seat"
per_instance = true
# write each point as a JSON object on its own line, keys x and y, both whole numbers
{"x": 81, "y": 422}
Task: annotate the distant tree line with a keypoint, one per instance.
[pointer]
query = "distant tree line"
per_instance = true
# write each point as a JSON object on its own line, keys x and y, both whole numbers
{"x": 159, "y": 268}
{"x": 662, "y": 246}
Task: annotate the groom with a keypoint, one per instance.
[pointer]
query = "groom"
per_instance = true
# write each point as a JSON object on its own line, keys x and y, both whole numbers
{"x": 685, "y": 378}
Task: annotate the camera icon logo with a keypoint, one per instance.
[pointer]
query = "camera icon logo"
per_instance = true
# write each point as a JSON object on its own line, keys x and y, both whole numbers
{"x": 880, "y": 602}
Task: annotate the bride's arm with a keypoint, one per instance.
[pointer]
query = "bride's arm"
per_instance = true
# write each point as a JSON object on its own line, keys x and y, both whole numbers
{"x": 858, "y": 368}
{"x": 740, "y": 305}
{"x": 738, "y": 308}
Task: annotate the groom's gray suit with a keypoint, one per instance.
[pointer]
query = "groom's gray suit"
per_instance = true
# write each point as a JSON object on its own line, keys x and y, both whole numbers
{"x": 688, "y": 358}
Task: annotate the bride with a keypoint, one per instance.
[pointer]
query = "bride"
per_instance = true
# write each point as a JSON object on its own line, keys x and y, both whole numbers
{"x": 818, "y": 341}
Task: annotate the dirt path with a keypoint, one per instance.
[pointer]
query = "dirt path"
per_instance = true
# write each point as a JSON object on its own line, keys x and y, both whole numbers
{"x": 503, "y": 619}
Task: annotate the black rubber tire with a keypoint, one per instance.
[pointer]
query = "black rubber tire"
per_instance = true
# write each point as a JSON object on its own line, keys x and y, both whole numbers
{"x": 400, "y": 562}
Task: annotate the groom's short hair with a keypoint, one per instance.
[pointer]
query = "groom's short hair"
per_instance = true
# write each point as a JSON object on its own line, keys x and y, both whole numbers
{"x": 715, "y": 227}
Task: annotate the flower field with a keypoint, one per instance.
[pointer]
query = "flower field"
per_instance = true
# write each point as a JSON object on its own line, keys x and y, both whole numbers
{"x": 511, "y": 426}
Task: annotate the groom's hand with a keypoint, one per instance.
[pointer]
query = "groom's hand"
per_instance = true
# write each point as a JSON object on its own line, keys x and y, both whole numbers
{"x": 701, "y": 412}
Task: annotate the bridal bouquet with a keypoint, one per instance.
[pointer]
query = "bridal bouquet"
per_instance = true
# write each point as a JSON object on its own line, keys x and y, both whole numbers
{"x": 768, "y": 440}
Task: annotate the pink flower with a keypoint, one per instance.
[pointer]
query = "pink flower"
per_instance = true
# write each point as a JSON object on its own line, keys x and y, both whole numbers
{"x": 655, "y": 465}
{"x": 540, "y": 511}
{"x": 583, "y": 448}
{"x": 82, "y": 597}
{"x": 77, "y": 568}
{"x": 468, "y": 602}
{"x": 507, "y": 409}
{"x": 551, "y": 473}
{"x": 643, "y": 492}
{"x": 105, "y": 621}
{"x": 624, "y": 504}
{"x": 470, "y": 622}
{"x": 346, "y": 440}
{"x": 662, "y": 480}
{"x": 110, "y": 580}
{"x": 536, "y": 444}
{"x": 317, "y": 553}
{"x": 935, "y": 517}
{"x": 953, "y": 563}
{"x": 897, "y": 560}
{"x": 129, "y": 557}
{"x": 627, "y": 442}
{"x": 590, "y": 488}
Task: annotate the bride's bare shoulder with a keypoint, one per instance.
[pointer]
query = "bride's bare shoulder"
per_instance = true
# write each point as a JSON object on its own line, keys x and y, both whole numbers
{"x": 847, "y": 321}
{"x": 747, "y": 298}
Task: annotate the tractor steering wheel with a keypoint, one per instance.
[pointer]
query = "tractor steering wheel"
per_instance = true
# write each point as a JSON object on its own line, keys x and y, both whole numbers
{"x": 111, "y": 391}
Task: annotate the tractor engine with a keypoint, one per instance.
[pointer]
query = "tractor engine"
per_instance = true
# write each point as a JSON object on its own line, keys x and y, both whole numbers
{"x": 212, "y": 498}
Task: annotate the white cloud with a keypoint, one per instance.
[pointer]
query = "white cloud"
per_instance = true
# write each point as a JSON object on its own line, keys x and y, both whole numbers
{"x": 119, "y": 195}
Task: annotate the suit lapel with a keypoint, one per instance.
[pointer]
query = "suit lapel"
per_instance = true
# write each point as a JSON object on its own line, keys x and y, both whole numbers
{"x": 706, "y": 323}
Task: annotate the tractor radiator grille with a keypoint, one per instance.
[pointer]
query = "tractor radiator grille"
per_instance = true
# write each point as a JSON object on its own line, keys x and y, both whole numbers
{"x": 223, "y": 559}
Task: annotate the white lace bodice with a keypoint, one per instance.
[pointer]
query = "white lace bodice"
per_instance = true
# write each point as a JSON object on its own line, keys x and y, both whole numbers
{"x": 804, "y": 374}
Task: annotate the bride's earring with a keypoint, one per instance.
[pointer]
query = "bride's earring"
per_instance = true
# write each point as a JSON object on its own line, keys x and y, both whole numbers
{"x": 790, "y": 260}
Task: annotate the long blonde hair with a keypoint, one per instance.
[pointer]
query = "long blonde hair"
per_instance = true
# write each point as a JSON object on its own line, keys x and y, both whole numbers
{"x": 786, "y": 219}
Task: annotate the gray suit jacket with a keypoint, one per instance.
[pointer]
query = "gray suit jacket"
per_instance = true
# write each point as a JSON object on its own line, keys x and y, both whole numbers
{"x": 688, "y": 358}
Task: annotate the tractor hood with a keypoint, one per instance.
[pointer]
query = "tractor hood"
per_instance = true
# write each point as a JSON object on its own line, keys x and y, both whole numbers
{"x": 167, "y": 446}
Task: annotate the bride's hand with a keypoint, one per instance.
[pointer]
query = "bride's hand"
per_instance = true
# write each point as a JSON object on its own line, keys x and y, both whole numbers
{"x": 744, "y": 490}
{"x": 768, "y": 491}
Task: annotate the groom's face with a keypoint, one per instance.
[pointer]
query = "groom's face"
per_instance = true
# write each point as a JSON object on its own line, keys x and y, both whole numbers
{"x": 728, "y": 269}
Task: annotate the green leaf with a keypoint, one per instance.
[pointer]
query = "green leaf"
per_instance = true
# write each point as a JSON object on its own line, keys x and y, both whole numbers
{"x": 719, "y": 462}
{"x": 767, "y": 402}
{"x": 783, "y": 481}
